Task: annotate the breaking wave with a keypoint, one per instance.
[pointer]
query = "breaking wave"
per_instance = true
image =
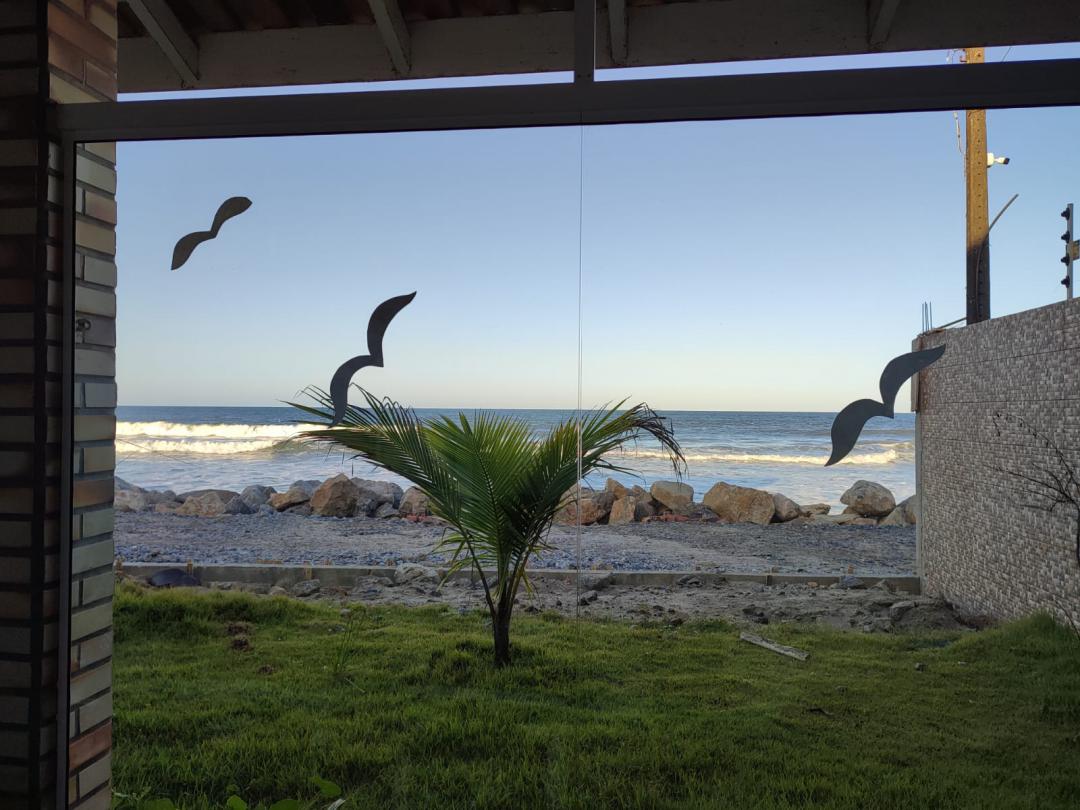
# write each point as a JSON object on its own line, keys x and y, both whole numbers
{"x": 900, "y": 452}
{"x": 201, "y": 439}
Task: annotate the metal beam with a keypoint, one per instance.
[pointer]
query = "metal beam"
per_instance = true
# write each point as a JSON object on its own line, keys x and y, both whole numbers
{"x": 881, "y": 15}
{"x": 177, "y": 45}
{"x": 617, "y": 30}
{"x": 394, "y": 33}
{"x": 1046, "y": 83}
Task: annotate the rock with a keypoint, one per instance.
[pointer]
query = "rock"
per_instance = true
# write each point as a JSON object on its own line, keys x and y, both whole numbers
{"x": 848, "y": 582}
{"x": 173, "y": 578}
{"x": 623, "y": 511}
{"x": 238, "y": 506}
{"x": 616, "y": 489}
{"x": 335, "y": 497}
{"x": 894, "y": 518}
{"x": 412, "y": 572}
{"x": 597, "y": 582}
{"x": 302, "y": 509}
{"x": 167, "y": 508}
{"x": 736, "y": 504}
{"x": 277, "y": 590}
{"x": 385, "y": 510}
{"x": 379, "y": 492}
{"x": 588, "y": 597}
{"x": 864, "y": 521}
{"x": 209, "y": 503}
{"x": 595, "y": 507}
{"x": 869, "y": 499}
{"x": 911, "y": 509}
{"x": 838, "y": 520}
{"x": 784, "y": 508}
{"x": 898, "y": 610}
{"x": 300, "y": 492}
{"x": 256, "y": 495}
{"x": 305, "y": 587}
{"x": 644, "y": 508}
{"x": 920, "y": 666}
{"x": 128, "y": 497}
{"x": 810, "y": 509}
{"x": 689, "y": 581}
{"x": 414, "y": 502}
{"x": 226, "y": 494}
{"x": 674, "y": 495}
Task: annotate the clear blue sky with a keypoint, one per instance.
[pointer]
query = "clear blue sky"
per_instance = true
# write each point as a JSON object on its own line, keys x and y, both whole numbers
{"x": 756, "y": 265}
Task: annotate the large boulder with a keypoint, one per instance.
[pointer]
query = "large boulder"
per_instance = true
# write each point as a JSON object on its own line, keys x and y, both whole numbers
{"x": 336, "y": 497}
{"x": 785, "y": 509}
{"x": 256, "y": 495}
{"x": 869, "y": 499}
{"x": 811, "y": 509}
{"x": 227, "y": 494}
{"x": 623, "y": 511}
{"x": 300, "y": 492}
{"x": 209, "y": 503}
{"x": 595, "y": 507}
{"x": 414, "y": 503}
{"x": 616, "y": 489}
{"x": 911, "y": 509}
{"x": 675, "y": 495}
{"x": 128, "y": 497}
{"x": 736, "y": 504}
{"x": 894, "y": 518}
{"x": 238, "y": 506}
{"x": 378, "y": 493}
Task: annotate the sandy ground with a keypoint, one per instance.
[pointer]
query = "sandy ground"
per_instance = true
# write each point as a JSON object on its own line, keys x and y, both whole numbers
{"x": 876, "y": 609}
{"x": 743, "y": 548}
{"x": 866, "y": 551}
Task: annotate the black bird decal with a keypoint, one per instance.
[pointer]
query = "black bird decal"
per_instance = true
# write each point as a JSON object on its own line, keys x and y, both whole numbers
{"x": 187, "y": 244}
{"x": 849, "y": 423}
{"x": 380, "y": 319}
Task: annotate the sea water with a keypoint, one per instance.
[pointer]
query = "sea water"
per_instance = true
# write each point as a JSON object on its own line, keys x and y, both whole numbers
{"x": 184, "y": 448}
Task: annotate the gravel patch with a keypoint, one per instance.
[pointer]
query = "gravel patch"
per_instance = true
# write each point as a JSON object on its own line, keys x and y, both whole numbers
{"x": 658, "y": 546}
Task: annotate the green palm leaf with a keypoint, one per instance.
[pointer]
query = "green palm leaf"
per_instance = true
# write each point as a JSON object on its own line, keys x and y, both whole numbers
{"x": 492, "y": 478}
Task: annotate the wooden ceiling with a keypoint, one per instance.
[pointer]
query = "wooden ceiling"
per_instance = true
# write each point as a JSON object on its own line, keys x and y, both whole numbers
{"x": 184, "y": 44}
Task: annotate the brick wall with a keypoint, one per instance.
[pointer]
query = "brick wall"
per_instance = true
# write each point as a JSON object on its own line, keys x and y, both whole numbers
{"x": 63, "y": 52}
{"x": 980, "y": 547}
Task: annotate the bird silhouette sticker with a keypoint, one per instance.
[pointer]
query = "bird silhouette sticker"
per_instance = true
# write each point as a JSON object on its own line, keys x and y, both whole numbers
{"x": 849, "y": 423}
{"x": 186, "y": 244}
{"x": 380, "y": 319}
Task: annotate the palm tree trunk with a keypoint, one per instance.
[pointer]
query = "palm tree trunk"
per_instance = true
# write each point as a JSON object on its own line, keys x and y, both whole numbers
{"x": 500, "y": 626}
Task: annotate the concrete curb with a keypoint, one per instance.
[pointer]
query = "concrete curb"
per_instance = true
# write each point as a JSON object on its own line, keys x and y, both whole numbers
{"x": 343, "y": 576}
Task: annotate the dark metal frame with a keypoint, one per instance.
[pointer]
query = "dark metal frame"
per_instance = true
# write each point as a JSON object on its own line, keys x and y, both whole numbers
{"x": 584, "y": 101}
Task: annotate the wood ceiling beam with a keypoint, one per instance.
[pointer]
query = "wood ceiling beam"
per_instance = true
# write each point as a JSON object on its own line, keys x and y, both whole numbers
{"x": 170, "y": 36}
{"x": 394, "y": 33}
{"x": 618, "y": 31}
{"x": 881, "y": 14}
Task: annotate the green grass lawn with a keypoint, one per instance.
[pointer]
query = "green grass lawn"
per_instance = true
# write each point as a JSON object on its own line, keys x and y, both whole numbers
{"x": 404, "y": 709}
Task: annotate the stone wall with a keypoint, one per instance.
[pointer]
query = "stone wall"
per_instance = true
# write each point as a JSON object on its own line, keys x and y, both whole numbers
{"x": 60, "y": 51}
{"x": 981, "y": 546}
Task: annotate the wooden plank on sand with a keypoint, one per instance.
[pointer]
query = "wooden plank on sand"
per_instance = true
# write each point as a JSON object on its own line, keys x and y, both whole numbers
{"x": 782, "y": 649}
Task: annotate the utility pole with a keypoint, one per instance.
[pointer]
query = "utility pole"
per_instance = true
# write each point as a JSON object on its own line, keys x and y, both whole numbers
{"x": 978, "y": 215}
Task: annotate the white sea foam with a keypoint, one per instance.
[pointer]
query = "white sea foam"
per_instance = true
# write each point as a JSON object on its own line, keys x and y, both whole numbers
{"x": 899, "y": 452}
{"x": 200, "y": 439}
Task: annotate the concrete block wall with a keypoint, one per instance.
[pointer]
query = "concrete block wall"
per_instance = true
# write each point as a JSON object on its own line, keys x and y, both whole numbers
{"x": 60, "y": 51}
{"x": 980, "y": 546}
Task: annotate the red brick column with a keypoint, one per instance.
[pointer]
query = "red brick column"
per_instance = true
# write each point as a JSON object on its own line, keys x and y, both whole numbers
{"x": 54, "y": 52}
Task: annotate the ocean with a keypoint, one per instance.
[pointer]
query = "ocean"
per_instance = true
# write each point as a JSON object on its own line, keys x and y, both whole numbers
{"x": 184, "y": 448}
